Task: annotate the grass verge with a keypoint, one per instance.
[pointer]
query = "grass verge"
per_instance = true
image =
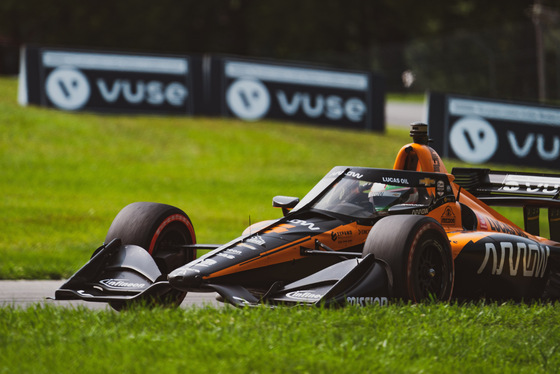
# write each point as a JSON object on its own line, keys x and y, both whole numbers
{"x": 432, "y": 338}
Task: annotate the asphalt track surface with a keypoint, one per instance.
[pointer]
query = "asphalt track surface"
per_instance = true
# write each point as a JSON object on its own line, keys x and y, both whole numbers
{"x": 403, "y": 114}
{"x": 23, "y": 293}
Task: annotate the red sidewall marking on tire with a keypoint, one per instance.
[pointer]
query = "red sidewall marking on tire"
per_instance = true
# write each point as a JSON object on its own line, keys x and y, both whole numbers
{"x": 167, "y": 221}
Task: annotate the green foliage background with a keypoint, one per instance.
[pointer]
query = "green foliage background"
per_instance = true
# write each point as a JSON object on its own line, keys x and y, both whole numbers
{"x": 475, "y": 47}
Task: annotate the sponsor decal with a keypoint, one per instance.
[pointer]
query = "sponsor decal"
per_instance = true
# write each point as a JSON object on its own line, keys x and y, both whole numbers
{"x": 367, "y": 300}
{"x": 241, "y": 300}
{"x": 363, "y": 232}
{"x": 247, "y": 246}
{"x": 420, "y": 211}
{"x": 206, "y": 262}
{"x": 530, "y": 184}
{"x": 184, "y": 270}
{"x": 181, "y": 271}
{"x": 300, "y": 222}
{"x": 448, "y": 217}
{"x": 481, "y": 221}
{"x": 354, "y": 174}
{"x": 348, "y": 173}
{"x": 440, "y": 188}
{"x": 448, "y": 199}
{"x": 230, "y": 257}
{"x": 526, "y": 260}
{"x": 304, "y": 295}
{"x": 234, "y": 251}
{"x": 435, "y": 160}
{"x": 498, "y": 226}
{"x": 121, "y": 283}
{"x": 256, "y": 239}
{"x": 342, "y": 236}
{"x": 395, "y": 180}
{"x": 427, "y": 182}
{"x": 84, "y": 293}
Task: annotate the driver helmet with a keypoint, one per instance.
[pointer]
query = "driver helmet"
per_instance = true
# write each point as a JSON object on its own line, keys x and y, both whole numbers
{"x": 384, "y": 196}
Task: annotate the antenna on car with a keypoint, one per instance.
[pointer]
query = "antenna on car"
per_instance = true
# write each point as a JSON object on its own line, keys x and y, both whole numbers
{"x": 419, "y": 133}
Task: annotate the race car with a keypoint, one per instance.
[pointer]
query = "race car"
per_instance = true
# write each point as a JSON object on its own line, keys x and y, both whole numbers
{"x": 361, "y": 236}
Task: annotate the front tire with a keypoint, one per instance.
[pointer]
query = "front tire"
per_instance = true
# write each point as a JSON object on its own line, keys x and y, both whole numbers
{"x": 160, "y": 229}
{"x": 418, "y": 253}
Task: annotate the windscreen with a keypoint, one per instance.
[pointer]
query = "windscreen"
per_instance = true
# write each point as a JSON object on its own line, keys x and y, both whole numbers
{"x": 362, "y": 195}
{"x": 349, "y": 197}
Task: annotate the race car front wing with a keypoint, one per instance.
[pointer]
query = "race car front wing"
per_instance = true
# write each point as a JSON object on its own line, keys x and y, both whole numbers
{"x": 126, "y": 273}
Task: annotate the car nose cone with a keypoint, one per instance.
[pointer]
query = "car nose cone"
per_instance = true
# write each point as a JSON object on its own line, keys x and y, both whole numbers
{"x": 184, "y": 278}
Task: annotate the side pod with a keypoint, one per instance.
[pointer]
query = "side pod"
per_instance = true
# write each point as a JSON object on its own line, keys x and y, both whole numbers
{"x": 115, "y": 273}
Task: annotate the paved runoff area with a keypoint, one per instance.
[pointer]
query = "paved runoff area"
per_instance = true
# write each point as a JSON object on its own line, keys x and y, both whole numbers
{"x": 23, "y": 293}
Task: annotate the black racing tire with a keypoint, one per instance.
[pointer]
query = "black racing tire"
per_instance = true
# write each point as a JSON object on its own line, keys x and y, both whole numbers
{"x": 158, "y": 228}
{"x": 552, "y": 287}
{"x": 418, "y": 253}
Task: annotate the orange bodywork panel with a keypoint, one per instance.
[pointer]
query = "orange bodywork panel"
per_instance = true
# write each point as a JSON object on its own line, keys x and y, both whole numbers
{"x": 419, "y": 157}
{"x": 339, "y": 238}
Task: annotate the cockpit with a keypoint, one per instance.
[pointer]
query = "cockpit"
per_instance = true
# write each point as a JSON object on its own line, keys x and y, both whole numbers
{"x": 369, "y": 193}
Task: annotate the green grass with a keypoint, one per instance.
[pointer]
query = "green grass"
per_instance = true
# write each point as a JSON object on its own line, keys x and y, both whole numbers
{"x": 434, "y": 338}
{"x": 64, "y": 176}
{"x": 413, "y": 98}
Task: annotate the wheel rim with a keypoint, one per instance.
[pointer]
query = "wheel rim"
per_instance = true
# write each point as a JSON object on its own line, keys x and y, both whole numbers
{"x": 166, "y": 244}
{"x": 169, "y": 239}
{"x": 431, "y": 272}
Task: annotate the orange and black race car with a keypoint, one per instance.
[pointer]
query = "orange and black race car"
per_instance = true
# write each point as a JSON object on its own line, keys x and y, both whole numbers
{"x": 360, "y": 236}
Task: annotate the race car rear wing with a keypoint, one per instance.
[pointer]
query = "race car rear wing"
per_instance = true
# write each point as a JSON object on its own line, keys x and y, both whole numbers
{"x": 531, "y": 191}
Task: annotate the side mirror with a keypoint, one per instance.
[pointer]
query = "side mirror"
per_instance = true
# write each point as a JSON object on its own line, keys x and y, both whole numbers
{"x": 285, "y": 202}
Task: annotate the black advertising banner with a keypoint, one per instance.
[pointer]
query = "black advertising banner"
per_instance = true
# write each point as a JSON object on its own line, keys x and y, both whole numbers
{"x": 106, "y": 82}
{"x": 252, "y": 90}
{"x": 479, "y": 130}
{"x": 189, "y": 85}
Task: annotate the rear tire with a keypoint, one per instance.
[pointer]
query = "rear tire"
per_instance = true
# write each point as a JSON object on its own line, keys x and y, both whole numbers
{"x": 417, "y": 251}
{"x": 159, "y": 229}
{"x": 552, "y": 288}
